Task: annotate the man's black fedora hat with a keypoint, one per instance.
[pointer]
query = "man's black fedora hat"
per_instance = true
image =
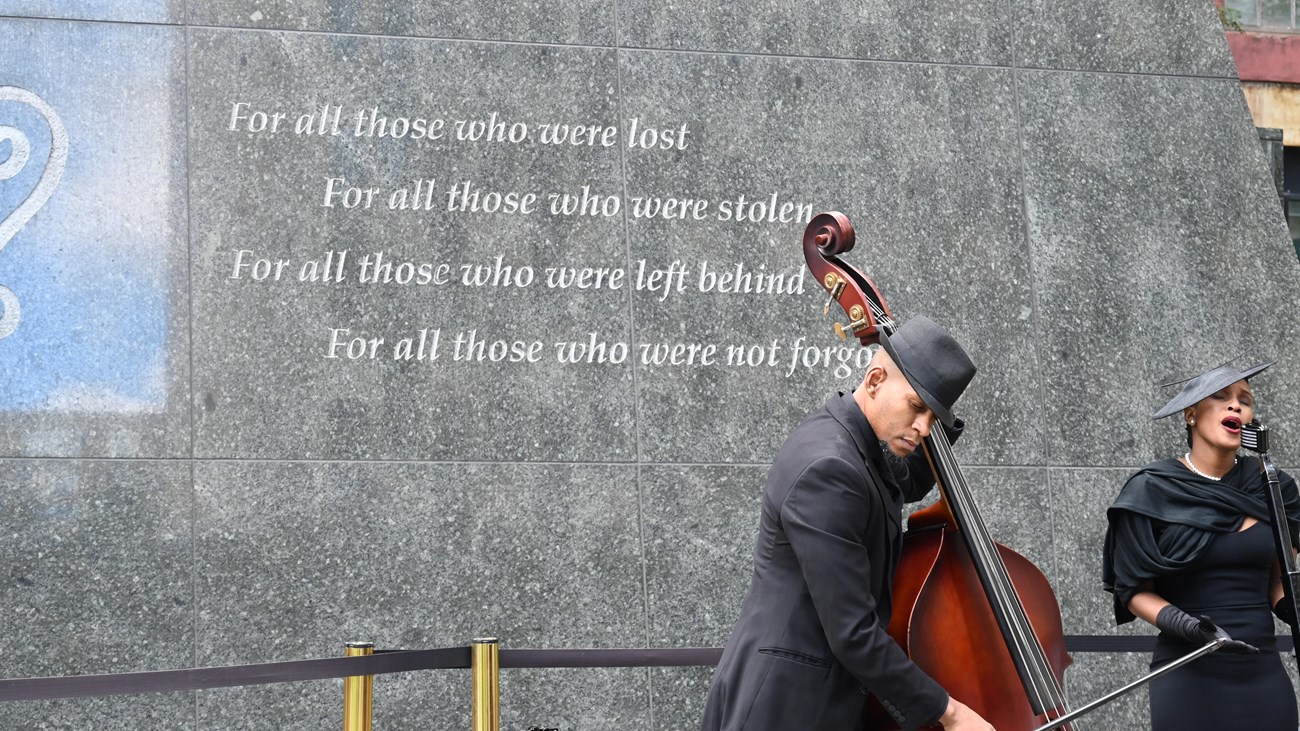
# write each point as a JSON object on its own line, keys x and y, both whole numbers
{"x": 933, "y": 362}
{"x": 1209, "y": 382}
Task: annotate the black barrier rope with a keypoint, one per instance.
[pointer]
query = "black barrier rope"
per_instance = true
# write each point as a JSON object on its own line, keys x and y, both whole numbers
{"x": 402, "y": 661}
{"x": 168, "y": 681}
{"x": 638, "y": 658}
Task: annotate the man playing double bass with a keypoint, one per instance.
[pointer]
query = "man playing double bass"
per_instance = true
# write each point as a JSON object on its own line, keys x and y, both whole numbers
{"x": 812, "y": 639}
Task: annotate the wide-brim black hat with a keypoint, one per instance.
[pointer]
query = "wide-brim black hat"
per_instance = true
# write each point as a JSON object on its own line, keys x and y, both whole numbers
{"x": 1206, "y": 384}
{"x": 933, "y": 362}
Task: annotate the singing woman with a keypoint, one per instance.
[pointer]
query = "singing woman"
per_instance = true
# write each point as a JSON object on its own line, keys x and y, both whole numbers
{"x": 1189, "y": 549}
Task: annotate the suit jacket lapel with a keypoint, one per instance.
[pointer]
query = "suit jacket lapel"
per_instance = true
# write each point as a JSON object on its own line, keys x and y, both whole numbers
{"x": 845, "y": 410}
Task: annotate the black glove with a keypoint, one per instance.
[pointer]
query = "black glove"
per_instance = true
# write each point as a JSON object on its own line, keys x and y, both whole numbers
{"x": 1285, "y": 611}
{"x": 1174, "y": 621}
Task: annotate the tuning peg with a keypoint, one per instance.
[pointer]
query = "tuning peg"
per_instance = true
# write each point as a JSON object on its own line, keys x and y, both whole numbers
{"x": 857, "y": 322}
{"x": 835, "y": 286}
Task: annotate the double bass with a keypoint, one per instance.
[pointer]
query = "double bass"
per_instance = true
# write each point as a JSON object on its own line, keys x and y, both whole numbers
{"x": 976, "y": 616}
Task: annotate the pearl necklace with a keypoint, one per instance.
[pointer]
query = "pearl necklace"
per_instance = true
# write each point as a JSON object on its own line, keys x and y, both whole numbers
{"x": 1187, "y": 459}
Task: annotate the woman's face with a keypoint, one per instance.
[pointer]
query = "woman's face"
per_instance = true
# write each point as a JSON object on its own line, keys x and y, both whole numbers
{"x": 1216, "y": 419}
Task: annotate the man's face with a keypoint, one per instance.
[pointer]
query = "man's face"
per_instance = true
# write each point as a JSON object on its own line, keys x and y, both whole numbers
{"x": 898, "y": 416}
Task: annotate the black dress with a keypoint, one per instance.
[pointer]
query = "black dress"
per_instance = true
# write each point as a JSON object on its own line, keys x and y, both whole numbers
{"x": 1228, "y": 583}
{"x": 1178, "y": 533}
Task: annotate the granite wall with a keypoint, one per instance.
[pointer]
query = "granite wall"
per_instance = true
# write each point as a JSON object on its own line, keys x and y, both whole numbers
{"x": 326, "y": 321}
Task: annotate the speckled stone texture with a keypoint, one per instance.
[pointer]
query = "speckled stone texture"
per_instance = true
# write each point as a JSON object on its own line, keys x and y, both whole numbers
{"x": 130, "y": 11}
{"x": 273, "y": 375}
{"x": 905, "y": 162}
{"x": 294, "y": 560}
{"x": 700, "y": 526}
{"x": 98, "y": 578}
{"x": 1144, "y": 37}
{"x": 571, "y": 22}
{"x": 1095, "y": 674}
{"x": 201, "y": 463}
{"x": 1081, "y": 497}
{"x": 965, "y": 33}
{"x": 1152, "y": 261}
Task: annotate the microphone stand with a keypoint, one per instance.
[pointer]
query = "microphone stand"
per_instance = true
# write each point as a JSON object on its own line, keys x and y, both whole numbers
{"x": 1254, "y": 437}
{"x": 1209, "y": 647}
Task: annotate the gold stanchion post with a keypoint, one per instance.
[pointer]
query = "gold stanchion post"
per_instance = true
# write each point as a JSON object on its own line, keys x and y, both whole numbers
{"x": 484, "y": 666}
{"x": 358, "y": 692}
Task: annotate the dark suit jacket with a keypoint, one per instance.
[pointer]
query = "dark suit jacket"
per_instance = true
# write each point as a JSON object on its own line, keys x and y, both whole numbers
{"x": 812, "y": 639}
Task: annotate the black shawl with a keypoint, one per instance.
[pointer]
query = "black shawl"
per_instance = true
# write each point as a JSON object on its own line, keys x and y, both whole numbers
{"x": 1166, "y": 515}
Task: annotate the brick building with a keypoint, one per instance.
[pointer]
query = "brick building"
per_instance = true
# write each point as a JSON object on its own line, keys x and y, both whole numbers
{"x": 1264, "y": 36}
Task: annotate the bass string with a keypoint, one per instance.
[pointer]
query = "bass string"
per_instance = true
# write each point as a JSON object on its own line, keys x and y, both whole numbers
{"x": 1007, "y": 595}
{"x": 997, "y": 591}
{"x": 980, "y": 540}
{"x": 1021, "y": 639}
{"x": 1048, "y": 693}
